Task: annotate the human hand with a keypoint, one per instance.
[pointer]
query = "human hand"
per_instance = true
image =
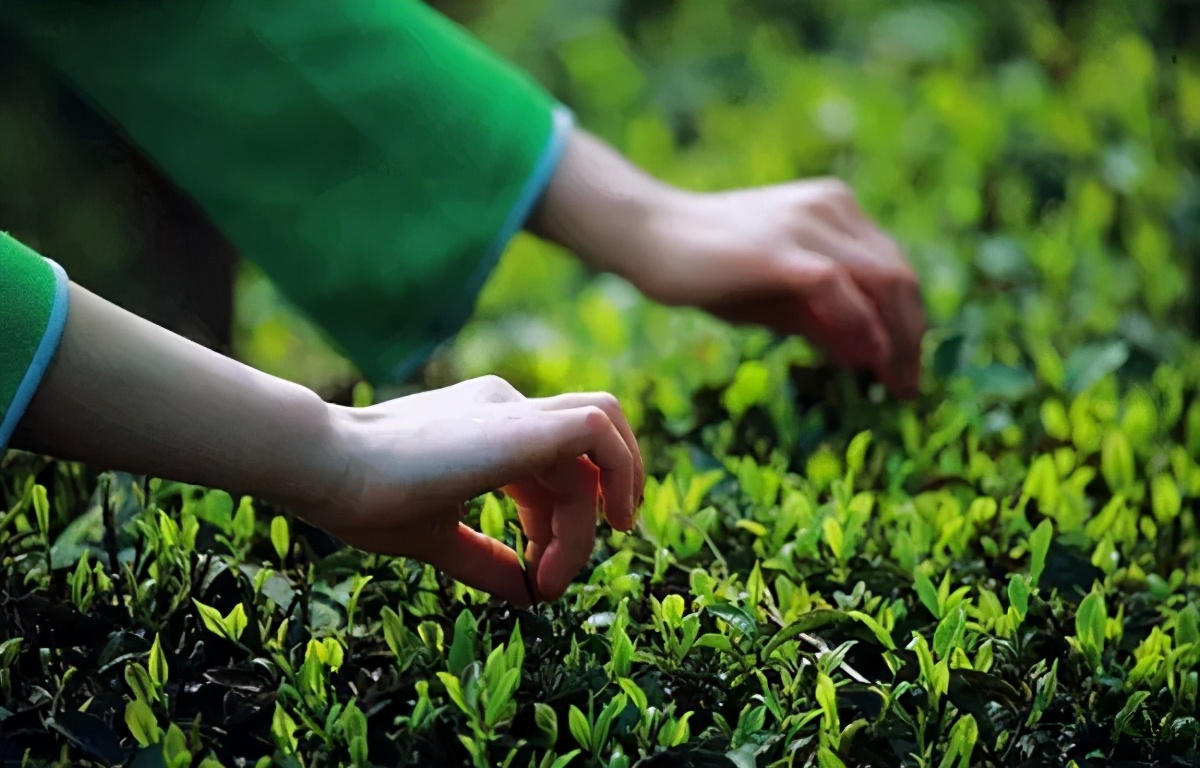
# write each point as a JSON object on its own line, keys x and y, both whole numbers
{"x": 125, "y": 394}
{"x": 407, "y": 466}
{"x": 801, "y": 258}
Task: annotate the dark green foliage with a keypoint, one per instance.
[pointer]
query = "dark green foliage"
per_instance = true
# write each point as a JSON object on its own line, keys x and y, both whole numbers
{"x": 1004, "y": 573}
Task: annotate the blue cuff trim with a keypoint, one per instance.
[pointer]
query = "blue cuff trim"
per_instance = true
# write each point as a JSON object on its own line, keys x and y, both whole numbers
{"x": 41, "y": 358}
{"x": 543, "y": 172}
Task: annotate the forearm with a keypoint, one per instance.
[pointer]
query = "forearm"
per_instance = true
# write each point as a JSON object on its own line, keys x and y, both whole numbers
{"x": 125, "y": 394}
{"x": 602, "y": 207}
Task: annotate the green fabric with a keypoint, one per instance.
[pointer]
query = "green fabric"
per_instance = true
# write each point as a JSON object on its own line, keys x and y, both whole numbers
{"x": 368, "y": 154}
{"x": 30, "y": 286}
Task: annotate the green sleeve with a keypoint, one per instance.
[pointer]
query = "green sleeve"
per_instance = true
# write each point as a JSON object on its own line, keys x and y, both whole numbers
{"x": 33, "y": 312}
{"x": 369, "y": 155}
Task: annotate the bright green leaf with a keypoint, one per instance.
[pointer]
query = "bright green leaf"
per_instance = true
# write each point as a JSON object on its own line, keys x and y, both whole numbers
{"x": 737, "y": 618}
{"x": 142, "y": 723}
{"x": 158, "y": 668}
{"x": 1039, "y": 546}
{"x": 280, "y": 538}
{"x": 213, "y": 621}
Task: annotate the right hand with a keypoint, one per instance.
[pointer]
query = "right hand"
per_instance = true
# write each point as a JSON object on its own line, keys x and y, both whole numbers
{"x": 406, "y": 466}
{"x": 800, "y": 258}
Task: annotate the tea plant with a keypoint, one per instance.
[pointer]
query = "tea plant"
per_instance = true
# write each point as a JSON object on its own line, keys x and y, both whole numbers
{"x": 1003, "y": 573}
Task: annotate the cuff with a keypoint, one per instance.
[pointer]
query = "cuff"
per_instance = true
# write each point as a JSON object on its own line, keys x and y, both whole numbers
{"x": 373, "y": 158}
{"x": 29, "y": 357}
{"x": 535, "y": 186}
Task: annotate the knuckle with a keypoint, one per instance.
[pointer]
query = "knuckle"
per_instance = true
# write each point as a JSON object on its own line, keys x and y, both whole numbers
{"x": 837, "y": 189}
{"x": 608, "y": 402}
{"x": 824, "y": 207}
{"x": 890, "y": 246}
{"x": 889, "y": 243}
{"x": 496, "y": 387}
{"x": 899, "y": 277}
{"x": 825, "y": 280}
{"x": 594, "y": 418}
{"x": 841, "y": 190}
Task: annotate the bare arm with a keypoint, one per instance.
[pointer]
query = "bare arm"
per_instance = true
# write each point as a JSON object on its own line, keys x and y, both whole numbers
{"x": 801, "y": 258}
{"x": 123, "y": 393}
{"x": 126, "y": 394}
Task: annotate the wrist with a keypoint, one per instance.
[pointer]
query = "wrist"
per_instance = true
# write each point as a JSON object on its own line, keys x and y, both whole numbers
{"x": 308, "y": 471}
{"x": 346, "y": 464}
{"x": 604, "y": 209}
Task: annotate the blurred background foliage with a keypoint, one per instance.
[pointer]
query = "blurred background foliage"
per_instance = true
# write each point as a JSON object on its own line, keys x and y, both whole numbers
{"x": 1037, "y": 158}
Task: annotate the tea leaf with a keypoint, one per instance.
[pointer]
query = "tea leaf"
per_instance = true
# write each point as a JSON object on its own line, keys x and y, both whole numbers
{"x": 827, "y": 759}
{"x": 393, "y": 631}
{"x": 142, "y": 723}
{"x": 140, "y": 682}
{"x": 635, "y": 694}
{"x": 213, "y": 621}
{"x": 834, "y": 537}
{"x": 462, "y": 646}
{"x": 547, "y": 720}
{"x": 283, "y": 729}
{"x": 1089, "y": 363}
{"x": 737, "y": 618}
{"x": 807, "y": 622}
{"x": 949, "y": 632}
{"x": 243, "y": 520}
{"x": 235, "y": 622}
{"x": 827, "y": 700}
{"x": 158, "y": 664}
{"x": 1116, "y": 462}
{"x": 581, "y": 730}
{"x": 927, "y": 593}
{"x": 1187, "y": 626}
{"x": 1090, "y": 623}
{"x": 1039, "y": 545}
{"x": 1166, "y": 502}
{"x": 1123, "y": 720}
{"x": 963, "y": 735}
{"x": 280, "y": 537}
{"x": 41, "y": 509}
{"x": 1055, "y": 420}
{"x": 856, "y": 453}
{"x": 749, "y": 388}
{"x": 1018, "y": 594}
{"x": 500, "y": 697}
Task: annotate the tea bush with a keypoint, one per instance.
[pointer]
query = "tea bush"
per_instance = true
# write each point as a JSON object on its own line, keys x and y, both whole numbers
{"x": 1002, "y": 573}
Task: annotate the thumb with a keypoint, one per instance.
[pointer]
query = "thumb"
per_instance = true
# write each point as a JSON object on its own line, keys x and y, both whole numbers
{"x": 481, "y": 562}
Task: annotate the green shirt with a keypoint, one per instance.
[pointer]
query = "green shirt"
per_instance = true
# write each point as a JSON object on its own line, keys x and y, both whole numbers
{"x": 369, "y": 155}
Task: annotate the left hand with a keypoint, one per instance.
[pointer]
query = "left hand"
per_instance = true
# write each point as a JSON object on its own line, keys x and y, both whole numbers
{"x": 402, "y": 469}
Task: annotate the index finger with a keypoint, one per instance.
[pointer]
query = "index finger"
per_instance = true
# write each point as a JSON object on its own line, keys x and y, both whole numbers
{"x": 588, "y": 431}
{"x": 893, "y": 287}
{"x": 612, "y": 407}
